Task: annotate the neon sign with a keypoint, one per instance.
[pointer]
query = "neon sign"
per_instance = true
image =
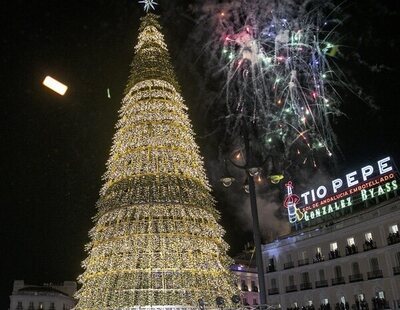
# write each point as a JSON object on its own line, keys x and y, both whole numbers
{"x": 360, "y": 185}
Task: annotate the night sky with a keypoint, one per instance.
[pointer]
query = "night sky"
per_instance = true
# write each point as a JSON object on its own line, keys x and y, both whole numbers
{"x": 54, "y": 148}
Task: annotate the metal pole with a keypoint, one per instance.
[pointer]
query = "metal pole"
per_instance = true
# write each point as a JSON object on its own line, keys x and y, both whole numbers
{"x": 256, "y": 226}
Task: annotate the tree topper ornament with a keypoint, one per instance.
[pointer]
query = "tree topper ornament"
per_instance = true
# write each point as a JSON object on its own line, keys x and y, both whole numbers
{"x": 148, "y": 4}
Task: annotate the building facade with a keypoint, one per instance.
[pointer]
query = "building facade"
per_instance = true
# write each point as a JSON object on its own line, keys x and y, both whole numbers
{"x": 247, "y": 279}
{"x": 348, "y": 262}
{"x": 47, "y": 296}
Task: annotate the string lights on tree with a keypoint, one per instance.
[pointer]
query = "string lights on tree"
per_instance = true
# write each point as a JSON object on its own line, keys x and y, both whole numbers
{"x": 156, "y": 242}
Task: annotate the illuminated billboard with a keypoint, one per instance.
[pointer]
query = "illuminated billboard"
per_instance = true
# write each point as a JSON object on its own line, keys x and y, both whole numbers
{"x": 369, "y": 182}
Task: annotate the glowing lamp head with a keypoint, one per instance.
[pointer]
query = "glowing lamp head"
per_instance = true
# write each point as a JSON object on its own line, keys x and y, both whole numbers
{"x": 254, "y": 171}
{"x": 55, "y": 85}
{"x": 276, "y": 178}
{"x": 227, "y": 181}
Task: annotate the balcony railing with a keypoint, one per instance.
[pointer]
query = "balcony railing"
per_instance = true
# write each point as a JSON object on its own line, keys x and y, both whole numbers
{"x": 396, "y": 270}
{"x": 302, "y": 262}
{"x": 356, "y": 277}
{"x": 322, "y": 283}
{"x": 369, "y": 245}
{"x": 351, "y": 249}
{"x": 244, "y": 287}
{"x": 338, "y": 280}
{"x": 273, "y": 291}
{"x": 318, "y": 258}
{"x": 375, "y": 274}
{"x": 393, "y": 238}
{"x": 291, "y": 288}
{"x": 288, "y": 265}
{"x": 271, "y": 268}
{"x": 254, "y": 289}
{"x": 305, "y": 286}
{"x": 334, "y": 254}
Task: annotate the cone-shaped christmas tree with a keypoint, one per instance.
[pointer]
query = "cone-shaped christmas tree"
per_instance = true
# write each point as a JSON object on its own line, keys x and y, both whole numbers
{"x": 156, "y": 241}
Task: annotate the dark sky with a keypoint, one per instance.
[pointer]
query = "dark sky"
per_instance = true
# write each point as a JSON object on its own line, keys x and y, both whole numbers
{"x": 54, "y": 148}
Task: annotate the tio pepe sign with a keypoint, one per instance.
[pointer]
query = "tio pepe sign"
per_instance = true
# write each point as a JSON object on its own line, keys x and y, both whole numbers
{"x": 368, "y": 182}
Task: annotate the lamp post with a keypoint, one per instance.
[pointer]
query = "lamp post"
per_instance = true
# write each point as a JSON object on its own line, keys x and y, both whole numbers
{"x": 252, "y": 170}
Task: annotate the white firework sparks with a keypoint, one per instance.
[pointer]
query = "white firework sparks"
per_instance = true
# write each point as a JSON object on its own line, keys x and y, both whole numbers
{"x": 276, "y": 64}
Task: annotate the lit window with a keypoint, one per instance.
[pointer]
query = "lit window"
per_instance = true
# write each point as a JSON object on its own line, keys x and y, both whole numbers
{"x": 394, "y": 229}
{"x": 368, "y": 236}
{"x": 333, "y": 246}
{"x": 295, "y": 304}
{"x": 325, "y": 301}
{"x": 310, "y": 302}
{"x": 381, "y": 294}
{"x": 319, "y": 250}
{"x": 342, "y": 299}
{"x": 350, "y": 241}
{"x": 360, "y": 297}
{"x": 303, "y": 255}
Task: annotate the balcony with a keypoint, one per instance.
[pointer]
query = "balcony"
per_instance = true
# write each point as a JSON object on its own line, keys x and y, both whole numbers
{"x": 254, "y": 288}
{"x": 396, "y": 270}
{"x": 302, "y": 262}
{"x": 305, "y": 286}
{"x": 338, "y": 281}
{"x": 334, "y": 254}
{"x": 356, "y": 277}
{"x": 322, "y": 283}
{"x": 273, "y": 291}
{"x": 244, "y": 288}
{"x": 369, "y": 245}
{"x": 270, "y": 268}
{"x": 351, "y": 250}
{"x": 288, "y": 265}
{"x": 318, "y": 258}
{"x": 393, "y": 238}
{"x": 291, "y": 288}
{"x": 375, "y": 274}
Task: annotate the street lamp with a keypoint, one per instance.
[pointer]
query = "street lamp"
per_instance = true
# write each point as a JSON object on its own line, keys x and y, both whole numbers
{"x": 252, "y": 171}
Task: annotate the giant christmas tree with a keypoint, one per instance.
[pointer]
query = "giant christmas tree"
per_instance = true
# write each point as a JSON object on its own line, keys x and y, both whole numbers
{"x": 156, "y": 241}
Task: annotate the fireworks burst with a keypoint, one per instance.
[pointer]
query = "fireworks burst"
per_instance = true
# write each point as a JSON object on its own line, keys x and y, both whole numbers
{"x": 276, "y": 61}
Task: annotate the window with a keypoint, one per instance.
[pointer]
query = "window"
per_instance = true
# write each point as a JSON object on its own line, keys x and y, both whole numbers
{"x": 318, "y": 250}
{"x": 289, "y": 258}
{"x": 303, "y": 255}
{"x": 398, "y": 258}
{"x": 295, "y": 304}
{"x": 360, "y": 297}
{"x": 374, "y": 264}
{"x": 338, "y": 272}
{"x": 305, "y": 277}
{"x": 273, "y": 283}
{"x": 368, "y": 236}
{"x": 381, "y": 295}
{"x": 310, "y": 303}
{"x": 321, "y": 275}
{"x": 356, "y": 268}
{"x": 333, "y": 246}
{"x": 325, "y": 301}
{"x": 291, "y": 280}
{"x": 393, "y": 229}
{"x": 31, "y": 305}
{"x": 350, "y": 241}
{"x": 342, "y": 299}
{"x": 40, "y": 305}
{"x": 254, "y": 301}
